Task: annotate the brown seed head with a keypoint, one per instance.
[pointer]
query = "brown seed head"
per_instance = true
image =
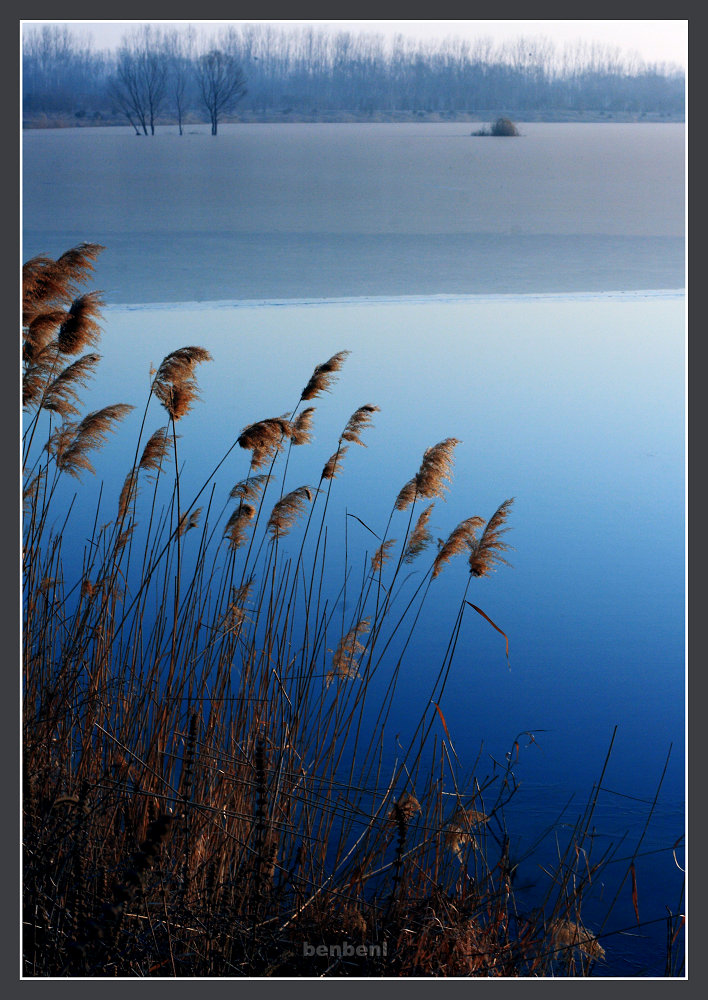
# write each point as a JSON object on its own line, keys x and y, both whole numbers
{"x": 360, "y": 419}
{"x": 287, "y": 510}
{"x": 302, "y": 427}
{"x": 80, "y": 328}
{"x": 420, "y": 537}
{"x": 381, "y": 555}
{"x": 71, "y": 442}
{"x": 265, "y": 438}
{"x": 460, "y": 537}
{"x": 237, "y": 524}
{"x": 334, "y": 463}
{"x": 155, "y": 450}
{"x": 322, "y": 377}
{"x": 345, "y": 660}
{"x": 485, "y": 551}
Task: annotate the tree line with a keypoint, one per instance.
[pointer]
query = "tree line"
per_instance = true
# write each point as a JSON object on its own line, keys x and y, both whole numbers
{"x": 161, "y": 74}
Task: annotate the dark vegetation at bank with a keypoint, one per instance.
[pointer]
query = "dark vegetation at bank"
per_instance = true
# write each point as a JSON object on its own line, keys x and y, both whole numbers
{"x": 205, "y": 700}
{"x": 267, "y": 73}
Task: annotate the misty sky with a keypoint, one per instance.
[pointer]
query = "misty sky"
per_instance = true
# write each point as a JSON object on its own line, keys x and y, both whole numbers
{"x": 652, "y": 41}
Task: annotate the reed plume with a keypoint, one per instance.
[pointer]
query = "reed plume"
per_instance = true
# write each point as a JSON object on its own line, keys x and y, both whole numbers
{"x": 345, "y": 660}
{"x": 333, "y": 465}
{"x": 265, "y": 438}
{"x": 381, "y": 555}
{"x": 80, "y": 329}
{"x": 249, "y": 489}
{"x": 406, "y": 807}
{"x": 188, "y": 521}
{"x": 72, "y": 441}
{"x": 43, "y": 284}
{"x": 485, "y": 551}
{"x": 360, "y": 419}
{"x": 237, "y": 524}
{"x": 174, "y": 384}
{"x": 458, "y": 540}
{"x": 432, "y": 477}
{"x": 287, "y": 510}
{"x": 236, "y": 610}
{"x": 407, "y": 494}
{"x": 46, "y": 281}
{"x": 31, "y": 491}
{"x": 458, "y": 833}
{"x": 420, "y": 537}
{"x": 436, "y": 469}
{"x": 128, "y": 494}
{"x": 155, "y": 450}
{"x": 40, "y": 332}
{"x": 322, "y": 377}
{"x": 38, "y": 373}
{"x": 62, "y": 394}
{"x": 302, "y": 427}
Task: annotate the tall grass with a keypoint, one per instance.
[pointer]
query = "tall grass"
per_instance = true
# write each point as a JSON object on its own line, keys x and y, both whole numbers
{"x": 206, "y": 790}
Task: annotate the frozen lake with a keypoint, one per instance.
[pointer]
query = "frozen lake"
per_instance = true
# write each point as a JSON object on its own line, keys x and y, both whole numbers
{"x": 293, "y": 211}
{"x": 524, "y": 296}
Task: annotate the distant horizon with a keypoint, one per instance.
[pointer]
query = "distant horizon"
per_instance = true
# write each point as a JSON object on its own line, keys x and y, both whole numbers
{"x": 653, "y": 42}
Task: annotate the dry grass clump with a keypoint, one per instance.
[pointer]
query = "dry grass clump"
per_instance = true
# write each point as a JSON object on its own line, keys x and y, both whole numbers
{"x": 458, "y": 834}
{"x": 499, "y": 127}
{"x": 570, "y": 934}
{"x": 205, "y": 793}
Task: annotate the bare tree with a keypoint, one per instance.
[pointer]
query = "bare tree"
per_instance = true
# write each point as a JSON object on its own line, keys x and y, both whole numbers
{"x": 221, "y": 82}
{"x": 179, "y": 49}
{"x": 140, "y": 82}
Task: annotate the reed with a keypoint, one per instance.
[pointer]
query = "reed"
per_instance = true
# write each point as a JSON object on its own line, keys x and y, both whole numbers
{"x": 205, "y": 704}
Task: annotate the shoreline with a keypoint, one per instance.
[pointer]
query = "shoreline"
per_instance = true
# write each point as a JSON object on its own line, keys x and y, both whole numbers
{"x": 378, "y": 300}
{"x": 59, "y": 121}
